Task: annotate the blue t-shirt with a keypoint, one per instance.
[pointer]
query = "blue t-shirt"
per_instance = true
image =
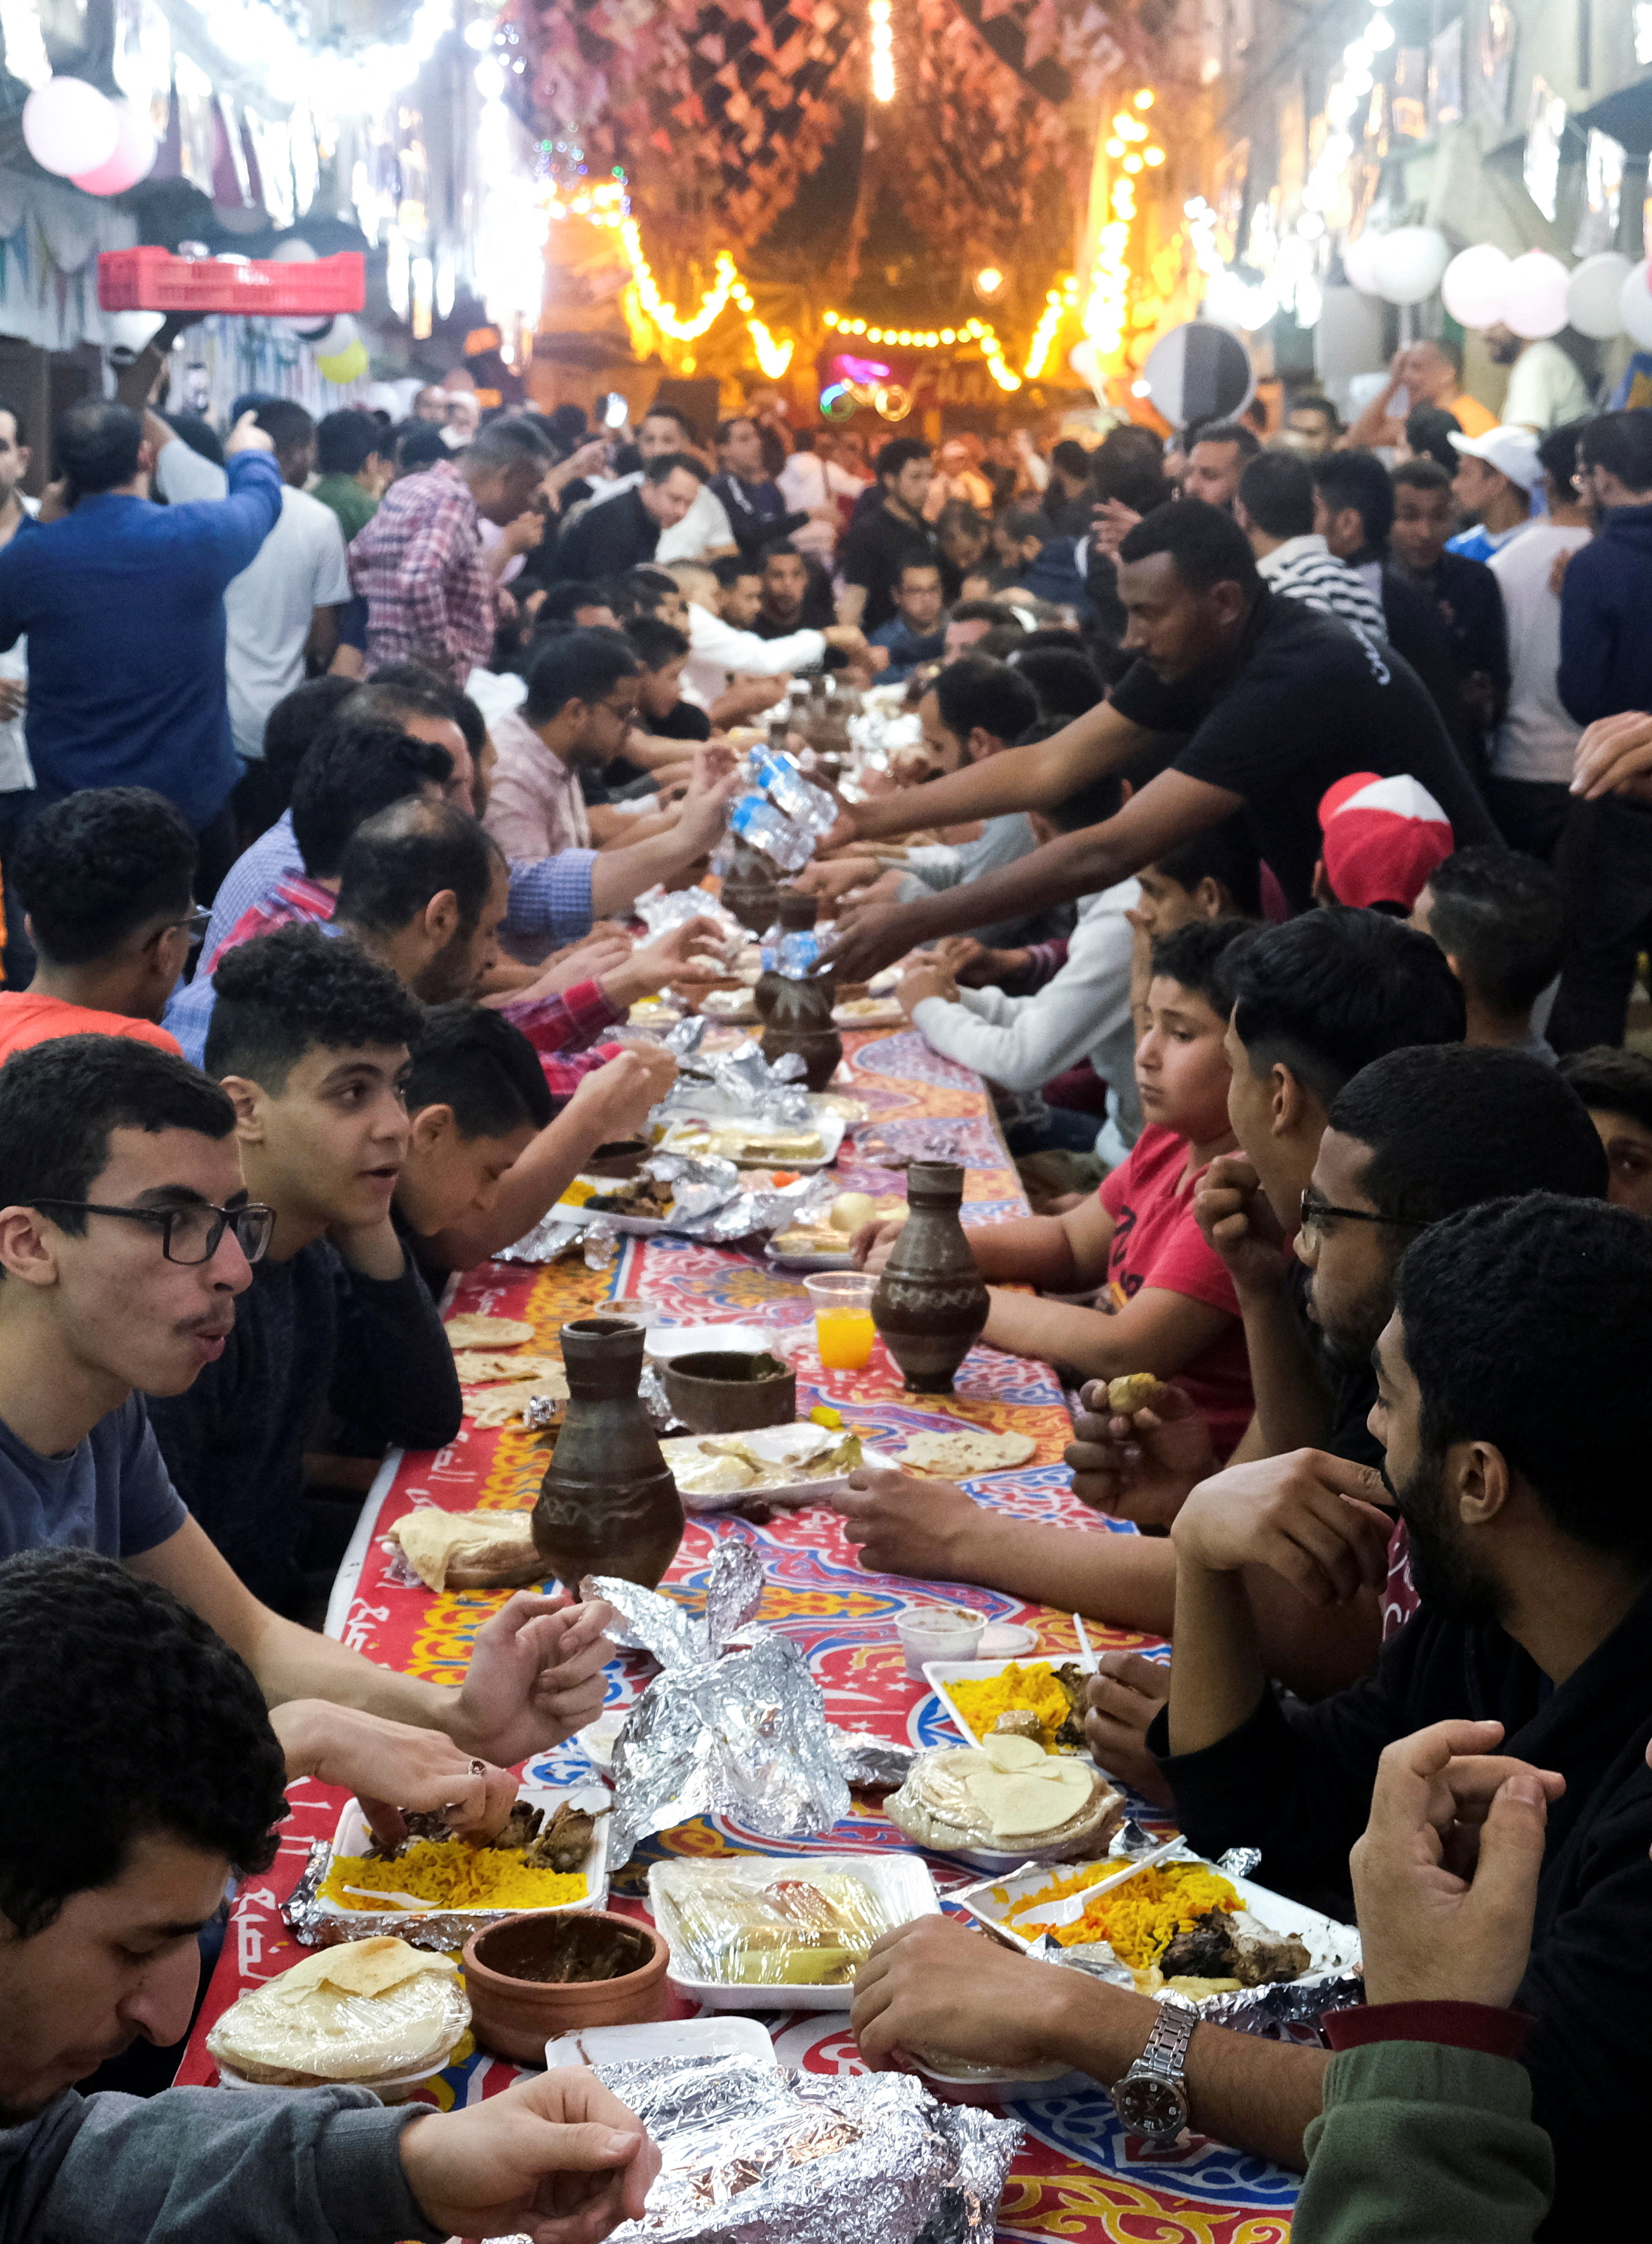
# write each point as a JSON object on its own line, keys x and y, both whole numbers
{"x": 110, "y": 1493}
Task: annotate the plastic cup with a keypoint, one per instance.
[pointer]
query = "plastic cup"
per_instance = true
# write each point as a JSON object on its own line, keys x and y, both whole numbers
{"x": 937, "y": 1631}
{"x": 843, "y": 1327}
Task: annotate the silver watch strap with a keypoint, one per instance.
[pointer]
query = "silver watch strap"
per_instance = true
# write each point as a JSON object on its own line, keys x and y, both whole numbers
{"x": 1165, "y": 2056}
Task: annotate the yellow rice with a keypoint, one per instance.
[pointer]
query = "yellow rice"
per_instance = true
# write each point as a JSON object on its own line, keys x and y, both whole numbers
{"x": 449, "y": 1874}
{"x": 1141, "y": 1917}
{"x": 1033, "y": 1689}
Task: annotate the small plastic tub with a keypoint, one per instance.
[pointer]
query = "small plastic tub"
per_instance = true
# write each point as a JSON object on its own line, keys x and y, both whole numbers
{"x": 633, "y": 1311}
{"x": 937, "y": 1631}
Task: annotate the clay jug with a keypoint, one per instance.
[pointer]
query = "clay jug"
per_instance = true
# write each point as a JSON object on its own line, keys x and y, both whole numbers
{"x": 796, "y": 915}
{"x": 749, "y": 888}
{"x": 799, "y": 1020}
{"x": 607, "y": 1503}
{"x": 931, "y": 1302}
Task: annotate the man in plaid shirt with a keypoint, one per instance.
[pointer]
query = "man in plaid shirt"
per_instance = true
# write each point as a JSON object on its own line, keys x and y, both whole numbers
{"x": 419, "y": 564}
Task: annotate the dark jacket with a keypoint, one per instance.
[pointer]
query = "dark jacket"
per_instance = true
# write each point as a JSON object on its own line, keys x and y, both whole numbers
{"x": 1606, "y": 648}
{"x": 1417, "y": 630}
{"x": 1298, "y": 1784}
{"x": 610, "y": 538}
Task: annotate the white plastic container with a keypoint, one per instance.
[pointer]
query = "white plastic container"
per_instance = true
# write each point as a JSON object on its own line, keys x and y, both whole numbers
{"x": 725, "y": 2036}
{"x": 932, "y": 1631}
{"x": 353, "y": 1837}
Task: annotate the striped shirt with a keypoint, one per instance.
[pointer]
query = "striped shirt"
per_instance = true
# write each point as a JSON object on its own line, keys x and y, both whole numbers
{"x": 1305, "y": 569}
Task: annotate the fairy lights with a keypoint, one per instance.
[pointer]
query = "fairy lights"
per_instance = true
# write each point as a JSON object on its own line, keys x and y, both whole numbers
{"x": 882, "y": 40}
{"x": 1057, "y": 303}
{"x": 979, "y": 333}
{"x": 772, "y": 355}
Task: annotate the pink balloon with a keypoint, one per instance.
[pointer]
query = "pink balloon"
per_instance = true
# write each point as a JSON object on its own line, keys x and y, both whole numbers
{"x": 1534, "y": 296}
{"x": 133, "y": 158}
{"x": 68, "y": 126}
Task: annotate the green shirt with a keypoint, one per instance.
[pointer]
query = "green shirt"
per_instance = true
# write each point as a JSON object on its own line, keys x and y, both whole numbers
{"x": 348, "y": 501}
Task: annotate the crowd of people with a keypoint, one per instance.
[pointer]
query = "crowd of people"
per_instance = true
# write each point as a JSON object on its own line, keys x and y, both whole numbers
{"x": 1271, "y": 833}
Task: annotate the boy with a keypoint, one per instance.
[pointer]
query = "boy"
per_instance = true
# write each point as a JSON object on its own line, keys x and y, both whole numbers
{"x": 1173, "y": 1310}
{"x": 1616, "y": 1087}
{"x": 475, "y": 1096}
{"x": 309, "y": 1037}
{"x": 1501, "y": 920}
{"x": 917, "y": 632}
{"x": 1214, "y": 875}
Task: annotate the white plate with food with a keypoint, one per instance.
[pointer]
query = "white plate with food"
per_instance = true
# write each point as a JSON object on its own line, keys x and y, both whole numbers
{"x": 869, "y": 1013}
{"x": 782, "y": 1932}
{"x": 802, "y": 1149}
{"x": 1265, "y": 1940}
{"x": 614, "y": 1200}
{"x": 822, "y": 1241}
{"x": 729, "y": 2036}
{"x": 798, "y": 1465}
{"x": 428, "y": 1862}
{"x": 995, "y": 1688}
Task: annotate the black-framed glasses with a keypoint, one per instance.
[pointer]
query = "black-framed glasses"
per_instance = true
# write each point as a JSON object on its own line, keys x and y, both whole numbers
{"x": 190, "y": 1235}
{"x": 1314, "y": 1211}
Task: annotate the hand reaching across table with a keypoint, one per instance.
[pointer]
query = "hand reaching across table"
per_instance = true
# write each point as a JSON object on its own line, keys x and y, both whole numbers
{"x": 903, "y": 1525}
{"x": 874, "y": 1243}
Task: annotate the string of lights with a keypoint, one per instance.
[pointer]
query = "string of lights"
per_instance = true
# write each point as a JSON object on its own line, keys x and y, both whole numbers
{"x": 973, "y": 332}
{"x": 1057, "y": 304}
{"x": 881, "y": 41}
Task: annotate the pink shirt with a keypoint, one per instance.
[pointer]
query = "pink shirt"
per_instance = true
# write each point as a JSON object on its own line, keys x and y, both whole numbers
{"x": 536, "y": 807}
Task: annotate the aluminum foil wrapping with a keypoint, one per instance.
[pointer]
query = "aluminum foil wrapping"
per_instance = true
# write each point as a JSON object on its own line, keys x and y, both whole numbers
{"x": 741, "y": 1085}
{"x": 872, "y": 1763}
{"x": 699, "y": 1186}
{"x": 684, "y": 1041}
{"x": 602, "y": 1245}
{"x": 752, "y": 2154}
{"x": 315, "y": 1926}
{"x": 551, "y": 1236}
{"x": 651, "y": 1393}
{"x": 674, "y": 1636}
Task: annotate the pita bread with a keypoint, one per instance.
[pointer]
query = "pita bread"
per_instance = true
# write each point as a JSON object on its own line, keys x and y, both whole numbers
{"x": 360, "y": 1967}
{"x": 470, "y": 1549}
{"x": 496, "y": 1406}
{"x": 355, "y": 2012}
{"x": 477, "y": 1365}
{"x": 472, "y": 1330}
{"x": 963, "y": 1451}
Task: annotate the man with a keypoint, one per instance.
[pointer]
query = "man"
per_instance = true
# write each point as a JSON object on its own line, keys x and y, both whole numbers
{"x": 973, "y": 622}
{"x": 281, "y": 611}
{"x": 892, "y": 530}
{"x": 724, "y": 622}
{"x": 608, "y": 540}
{"x": 123, "y": 605}
{"x": 1034, "y": 560}
{"x": 1616, "y": 1087}
{"x": 106, "y": 878}
{"x": 430, "y": 405}
{"x": 581, "y": 700}
{"x": 98, "y": 1311}
{"x": 464, "y": 418}
{"x": 1354, "y": 512}
{"x": 796, "y": 596}
{"x": 1501, "y": 920}
{"x": 1496, "y": 475}
{"x": 748, "y": 494}
{"x": 1464, "y": 590}
{"x": 181, "y": 1781}
{"x": 420, "y": 561}
{"x": 1276, "y": 703}
{"x": 915, "y": 633}
{"x": 354, "y": 470}
{"x": 1528, "y": 789}
{"x": 1533, "y": 1544}
{"x": 16, "y": 778}
{"x": 1070, "y": 497}
{"x": 1216, "y": 461}
{"x": 1604, "y": 668}
{"x": 704, "y": 533}
{"x": 1431, "y": 374}
{"x": 814, "y": 483}
{"x": 1313, "y": 425}
{"x": 1274, "y": 509}
{"x": 1545, "y": 389}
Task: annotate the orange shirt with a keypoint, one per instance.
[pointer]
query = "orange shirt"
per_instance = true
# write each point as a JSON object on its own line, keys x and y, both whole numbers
{"x": 1477, "y": 420}
{"x": 29, "y": 1018}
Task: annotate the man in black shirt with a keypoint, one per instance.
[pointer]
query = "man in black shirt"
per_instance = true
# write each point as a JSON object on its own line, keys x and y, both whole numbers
{"x": 1465, "y": 591}
{"x": 623, "y": 532}
{"x": 752, "y": 499}
{"x": 793, "y": 598}
{"x": 889, "y": 535}
{"x": 1274, "y": 704}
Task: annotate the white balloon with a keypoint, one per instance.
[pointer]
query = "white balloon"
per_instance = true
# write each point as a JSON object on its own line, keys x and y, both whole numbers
{"x": 1408, "y": 263}
{"x": 68, "y": 126}
{"x": 1359, "y": 262}
{"x": 1634, "y": 308}
{"x": 1472, "y": 285}
{"x": 338, "y": 338}
{"x": 1593, "y": 294}
{"x": 1534, "y": 296}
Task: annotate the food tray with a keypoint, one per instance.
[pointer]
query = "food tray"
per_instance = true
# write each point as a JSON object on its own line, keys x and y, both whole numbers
{"x": 631, "y": 1227}
{"x": 940, "y": 1674}
{"x": 388, "y": 2087}
{"x": 352, "y": 1837}
{"x": 806, "y": 1262}
{"x": 666, "y": 1341}
{"x": 151, "y": 280}
{"x": 900, "y": 1882}
{"x": 831, "y": 1127}
{"x": 771, "y": 1441}
{"x": 673, "y": 2037}
{"x": 881, "y": 1013}
{"x": 981, "y": 2084}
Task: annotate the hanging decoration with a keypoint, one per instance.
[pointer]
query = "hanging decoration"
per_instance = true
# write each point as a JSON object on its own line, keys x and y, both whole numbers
{"x": 880, "y": 38}
{"x": 69, "y": 127}
{"x": 1058, "y": 303}
{"x": 977, "y": 333}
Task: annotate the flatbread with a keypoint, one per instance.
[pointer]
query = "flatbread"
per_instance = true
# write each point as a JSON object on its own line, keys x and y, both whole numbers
{"x": 966, "y": 1451}
{"x": 355, "y": 2012}
{"x": 359, "y": 1967}
{"x": 468, "y": 1550}
{"x": 477, "y": 1365}
{"x": 496, "y": 1406}
{"x": 472, "y": 1330}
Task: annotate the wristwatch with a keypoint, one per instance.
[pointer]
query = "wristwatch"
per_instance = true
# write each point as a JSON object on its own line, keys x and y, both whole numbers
{"x": 1151, "y": 2098}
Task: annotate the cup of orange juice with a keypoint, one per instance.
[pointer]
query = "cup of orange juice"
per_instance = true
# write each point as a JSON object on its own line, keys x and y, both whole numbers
{"x": 843, "y": 1326}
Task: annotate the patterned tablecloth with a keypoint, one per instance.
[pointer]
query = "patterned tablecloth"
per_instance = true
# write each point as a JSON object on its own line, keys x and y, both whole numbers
{"x": 1079, "y": 2174}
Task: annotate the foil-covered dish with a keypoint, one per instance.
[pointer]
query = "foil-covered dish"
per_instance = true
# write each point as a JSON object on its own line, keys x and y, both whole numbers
{"x": 740, "y": 1084}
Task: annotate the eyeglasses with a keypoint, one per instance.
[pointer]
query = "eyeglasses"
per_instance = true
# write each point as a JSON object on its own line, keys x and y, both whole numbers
{"x": 193, "y": 924}
{"x": 190, "y": 1235}
{"x": 1314, "y": 1212}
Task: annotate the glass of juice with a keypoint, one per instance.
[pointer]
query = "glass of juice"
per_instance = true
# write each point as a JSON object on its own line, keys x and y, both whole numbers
{"x": 843, "y": 1326}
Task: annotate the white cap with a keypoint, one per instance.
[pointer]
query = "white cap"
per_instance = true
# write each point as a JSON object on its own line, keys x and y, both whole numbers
{"x": 1511, "y": 450}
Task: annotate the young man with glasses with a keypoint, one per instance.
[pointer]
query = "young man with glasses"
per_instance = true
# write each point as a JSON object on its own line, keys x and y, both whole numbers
{"x": 582, "y": 697}
{"x": 99, "y": 1311}
{"x": 105, "y": 877}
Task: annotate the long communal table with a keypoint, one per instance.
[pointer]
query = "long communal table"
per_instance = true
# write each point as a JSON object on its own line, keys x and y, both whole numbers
{"x": 1079, "y": 2175}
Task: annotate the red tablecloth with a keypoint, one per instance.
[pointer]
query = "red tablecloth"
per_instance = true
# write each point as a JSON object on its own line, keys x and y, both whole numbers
{"x": 1079, "y": 2175}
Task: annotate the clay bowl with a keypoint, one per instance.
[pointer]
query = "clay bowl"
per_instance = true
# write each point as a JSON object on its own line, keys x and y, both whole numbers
{"x": 726, "y": 1392}
{"x": 531, "y": 1977}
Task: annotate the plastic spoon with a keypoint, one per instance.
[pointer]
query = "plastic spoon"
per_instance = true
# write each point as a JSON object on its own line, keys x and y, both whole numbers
{"x": 1086, "y": 1655}
{"x": 387, "y": 1894}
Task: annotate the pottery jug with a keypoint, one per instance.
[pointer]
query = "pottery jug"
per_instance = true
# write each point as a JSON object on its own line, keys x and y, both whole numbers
{"x": 799, "y": 1020}
{"x": 795, "y": 914}
{"x": 931, "y": 1303}
{"x": 749, "y": 888}
{"x": 607, "y": 1503}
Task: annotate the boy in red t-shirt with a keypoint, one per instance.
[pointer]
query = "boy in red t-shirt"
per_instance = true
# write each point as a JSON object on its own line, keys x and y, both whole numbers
{"x": 1167, "y": 1304}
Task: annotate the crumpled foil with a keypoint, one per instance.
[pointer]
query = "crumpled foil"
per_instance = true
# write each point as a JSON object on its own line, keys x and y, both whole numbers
{"x": 753, "y": 2155}
{"x": 602, "y": 1244}
{"x": 872, "y": 1763}
{"x": 699, "y": 1185}
{"x": 936, "y": 1146}
{"x": 742, "y": 1086}
{"x": 315, "y": 1926}
{"x": 668, "y": 1631}
{"x": 551, "y": 1236}
{"x": 662, "y": 910}
{"x": 651, "y": 1393}
{"x": 684, "y": 1041}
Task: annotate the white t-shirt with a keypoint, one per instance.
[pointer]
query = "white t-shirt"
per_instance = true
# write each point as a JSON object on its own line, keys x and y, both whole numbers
{"x": 1545, "y": 391}
{"x": 17, "y": 773}
{"x": 299, "y": 567}
{"x": 1536, "y": 738}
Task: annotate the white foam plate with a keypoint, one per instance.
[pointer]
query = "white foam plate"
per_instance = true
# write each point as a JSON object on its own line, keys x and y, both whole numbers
{"x": 882, "y": 1013}
{"x": 900, "y": 1882}
{"x": 725, "y": 2037}
{"x": 981, "y": 2085}
{"x": 353, "y": 1837}
{"x": 806, "y": 1262}
{"x": 597, "y": 1737}
{"x": 832, "y": 1132}
{"x": 664, "y": 1342}
{"x": 938, "y": 1675}
{"x": 774, "y": 1441}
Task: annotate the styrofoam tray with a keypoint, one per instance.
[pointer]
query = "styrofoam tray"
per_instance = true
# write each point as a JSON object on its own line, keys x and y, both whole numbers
{"x": 901, "y": 1882}
{"x": 388, "y": 2087}
{"x": 806, "y": 1262}
{"x": 831, "y": 1128}
{"x": 678, "y": 2038}
{"x": 353, "y": 1837}
{"x": 940, "y": 1674}
{"x": 772, "y": 1442}
{"x": 630, "y": 1226}
{"x": 887, "y": 1014}
{"x": 664, "y": 1342}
